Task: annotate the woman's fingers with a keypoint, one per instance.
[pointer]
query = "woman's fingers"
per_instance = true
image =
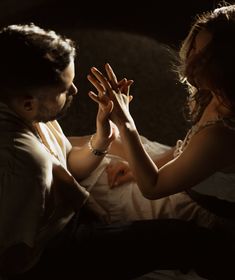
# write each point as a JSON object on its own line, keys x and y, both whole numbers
{"x": 107, "y": 85}
{"x": 105, "y": 104}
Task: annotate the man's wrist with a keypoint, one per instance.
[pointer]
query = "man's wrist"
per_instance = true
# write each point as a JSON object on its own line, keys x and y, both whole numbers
{"x": 98, "y": 147}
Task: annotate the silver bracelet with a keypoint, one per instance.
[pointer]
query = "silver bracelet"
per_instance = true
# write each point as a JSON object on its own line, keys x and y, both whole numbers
{"x": 94, "y": 151}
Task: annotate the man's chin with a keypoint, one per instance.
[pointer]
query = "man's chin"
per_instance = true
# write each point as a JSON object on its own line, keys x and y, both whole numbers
{"x": 60, "y": 115}
{"x": 63, "y": 111}
{"x": 45, "y": 117}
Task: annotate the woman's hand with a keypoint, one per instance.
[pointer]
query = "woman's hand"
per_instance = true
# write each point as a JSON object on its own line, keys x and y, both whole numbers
{"x": 118, "y": 174}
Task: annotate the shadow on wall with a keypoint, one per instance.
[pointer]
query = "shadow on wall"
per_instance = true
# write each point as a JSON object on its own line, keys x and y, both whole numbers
{"x": 158, "y": 96}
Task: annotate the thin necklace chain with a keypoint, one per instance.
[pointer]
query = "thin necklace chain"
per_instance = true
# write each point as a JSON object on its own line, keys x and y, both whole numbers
{"x": 43, "y": 141}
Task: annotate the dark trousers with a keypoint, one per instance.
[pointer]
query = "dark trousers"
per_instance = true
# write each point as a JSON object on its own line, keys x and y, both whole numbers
{"x": 126, "y": 251}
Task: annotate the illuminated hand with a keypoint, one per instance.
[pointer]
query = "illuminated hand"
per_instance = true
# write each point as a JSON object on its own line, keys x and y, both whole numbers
{"x": 113, "y": 92}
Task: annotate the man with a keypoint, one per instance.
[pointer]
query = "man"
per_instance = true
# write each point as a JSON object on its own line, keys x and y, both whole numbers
{"x": 39, "y": 196}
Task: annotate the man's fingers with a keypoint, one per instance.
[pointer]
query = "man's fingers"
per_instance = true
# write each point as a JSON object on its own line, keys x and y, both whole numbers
{"x": 125, "y": 81}
{"x": 100, "y": 88}
{"x": 100, "y": 77}
{"x": 112, "y": 77}
{"x": 93, "y": 96}
{"x": 105, "y": 105}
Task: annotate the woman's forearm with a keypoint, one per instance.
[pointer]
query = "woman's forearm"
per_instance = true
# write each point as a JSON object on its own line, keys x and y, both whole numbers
{"x": 144, "y": 169}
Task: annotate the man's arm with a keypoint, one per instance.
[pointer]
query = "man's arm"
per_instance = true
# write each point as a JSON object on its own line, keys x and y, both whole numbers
{"x": 82, "y": 159}
{"x": 115, "y": 148}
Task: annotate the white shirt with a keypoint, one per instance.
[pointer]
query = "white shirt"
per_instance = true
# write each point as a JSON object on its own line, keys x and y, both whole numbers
{"x": 26, "y": 178}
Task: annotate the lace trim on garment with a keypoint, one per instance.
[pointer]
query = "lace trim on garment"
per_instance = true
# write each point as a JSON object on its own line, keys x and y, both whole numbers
{"x": 181, "y": 144}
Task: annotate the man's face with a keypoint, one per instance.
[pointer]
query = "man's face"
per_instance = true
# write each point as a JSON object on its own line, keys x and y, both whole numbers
{"x": 56, "y": 100}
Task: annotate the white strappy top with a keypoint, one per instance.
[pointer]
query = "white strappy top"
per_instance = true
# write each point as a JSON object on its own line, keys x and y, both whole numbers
{"x": 219, "y": 184}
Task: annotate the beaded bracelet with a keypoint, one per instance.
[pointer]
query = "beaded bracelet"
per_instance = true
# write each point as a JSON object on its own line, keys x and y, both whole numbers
{"x": 96, "y": 152}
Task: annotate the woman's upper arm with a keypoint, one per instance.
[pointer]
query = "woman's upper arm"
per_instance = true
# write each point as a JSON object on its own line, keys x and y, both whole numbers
{"x": 162, "y": 159}
{"x": 203, "y": 156}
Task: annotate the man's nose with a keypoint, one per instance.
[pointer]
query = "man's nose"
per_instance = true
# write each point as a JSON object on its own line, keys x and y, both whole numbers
{"x": 73, "y": 90}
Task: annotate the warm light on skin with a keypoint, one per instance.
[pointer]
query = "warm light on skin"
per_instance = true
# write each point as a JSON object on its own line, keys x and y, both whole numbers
{"x": 55, "y": 101}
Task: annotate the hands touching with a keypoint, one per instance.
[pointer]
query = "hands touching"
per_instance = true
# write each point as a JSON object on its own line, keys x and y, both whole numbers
{"x": 144, "y": 170}
{"x": 113, "y": 98}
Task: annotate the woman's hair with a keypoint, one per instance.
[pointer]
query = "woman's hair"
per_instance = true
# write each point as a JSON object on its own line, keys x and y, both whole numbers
{"x": 31, "y": 57}
{"x": 213, "y": 68}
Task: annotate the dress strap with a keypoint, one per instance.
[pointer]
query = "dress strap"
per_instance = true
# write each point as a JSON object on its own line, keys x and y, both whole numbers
{"x": 182, "y": 144}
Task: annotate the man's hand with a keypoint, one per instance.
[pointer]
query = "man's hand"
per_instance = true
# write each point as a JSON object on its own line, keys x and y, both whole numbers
{"x": 110, "y": 92}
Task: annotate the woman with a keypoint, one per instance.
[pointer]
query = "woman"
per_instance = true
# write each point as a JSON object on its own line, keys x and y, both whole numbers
{"x": 196, "y": 181}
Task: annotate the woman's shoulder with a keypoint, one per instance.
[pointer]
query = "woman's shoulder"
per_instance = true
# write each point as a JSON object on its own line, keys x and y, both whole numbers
{"x": 215, "y": 134}
{"x": 216, "y": 141}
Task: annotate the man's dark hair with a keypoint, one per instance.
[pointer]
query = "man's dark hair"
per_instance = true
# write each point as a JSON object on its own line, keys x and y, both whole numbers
{"x": 31, "y": 57}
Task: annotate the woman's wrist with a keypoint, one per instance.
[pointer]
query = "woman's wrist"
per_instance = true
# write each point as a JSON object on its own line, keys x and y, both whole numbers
{"x": 126, "y": 128}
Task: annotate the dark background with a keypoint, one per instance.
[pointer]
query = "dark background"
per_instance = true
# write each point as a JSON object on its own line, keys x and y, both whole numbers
{"x": 137, "y": 37}
{"x": 167, "y": 21}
